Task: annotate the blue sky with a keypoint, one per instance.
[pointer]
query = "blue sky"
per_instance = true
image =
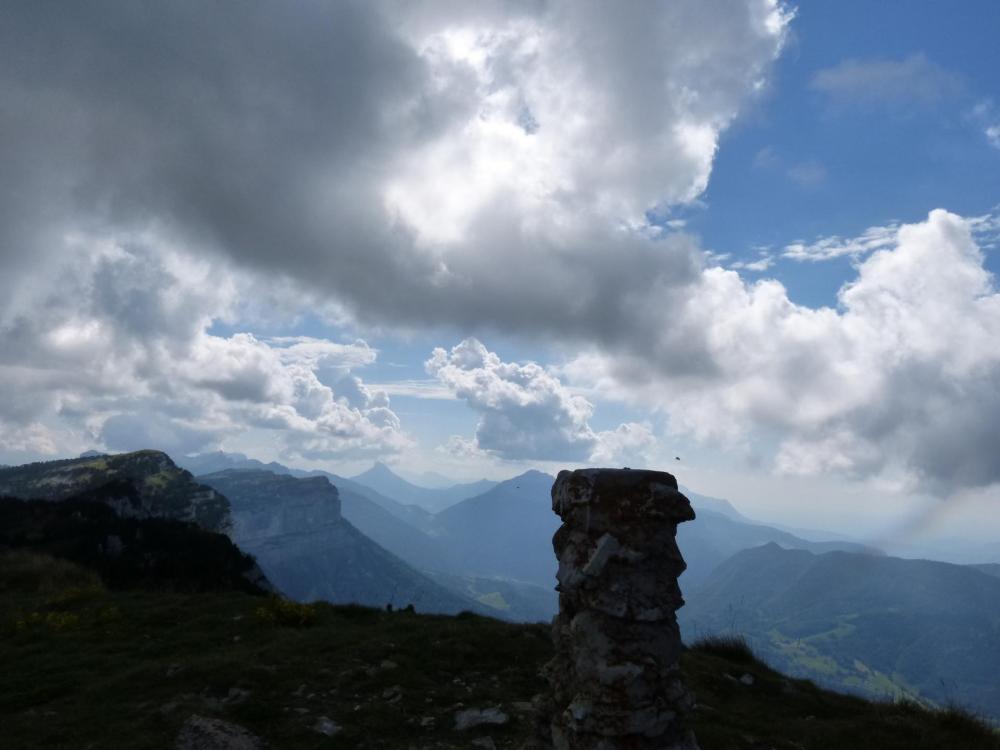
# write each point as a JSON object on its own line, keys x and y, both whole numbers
{"x": 481, "y": 238}
{"x": 876, "y": 160}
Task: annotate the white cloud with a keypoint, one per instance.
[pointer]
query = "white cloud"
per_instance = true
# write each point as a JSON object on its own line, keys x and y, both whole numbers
{"x": 985, "y": 231}
{"x": 911, "y": 81}
{"x": 429, "y": 389}
{"x": 526, "y": 412}
{"x": 765, "y": 259}
{"x": 986, "y": 116}
{"x": 118, "y": 353}
{"x": 767, "y": 158}
{"x": 828, "y": 248}
{"x": 416, "y": 164}
{"x": 807, "y": 174}
{"x": 903, "y": 379}
{"x": 578, "y": 109}
{"x": 993, "y": 135}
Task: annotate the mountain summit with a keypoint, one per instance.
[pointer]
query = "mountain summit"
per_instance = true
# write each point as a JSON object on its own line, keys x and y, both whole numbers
{"x": 384, "y": 480}
{"x": 143, "y": 484}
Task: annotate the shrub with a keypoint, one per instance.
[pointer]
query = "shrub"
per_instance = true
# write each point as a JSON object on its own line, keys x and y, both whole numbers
{"x": 279, "y": 611}
{"x": 734, "y": 647}
{"x": 30, "y": 572}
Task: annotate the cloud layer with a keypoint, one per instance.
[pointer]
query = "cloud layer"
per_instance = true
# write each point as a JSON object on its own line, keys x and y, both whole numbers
{"x": 490, "y": 166}
{"x": 902, "y": 379}
{"x": 526, "y": 412}
{"x": 118, "y": 353}
{"x": 422, "y": 164}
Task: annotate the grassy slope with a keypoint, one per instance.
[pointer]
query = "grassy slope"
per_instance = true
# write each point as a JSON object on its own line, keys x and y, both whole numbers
{"x": 86, "y": 668}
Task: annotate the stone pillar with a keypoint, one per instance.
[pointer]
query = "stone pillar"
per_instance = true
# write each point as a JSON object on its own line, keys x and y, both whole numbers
{"x": 615, "y": 680}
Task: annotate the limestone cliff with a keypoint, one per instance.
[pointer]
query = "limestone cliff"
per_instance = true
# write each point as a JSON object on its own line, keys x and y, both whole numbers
{"x": 143, "y": 484}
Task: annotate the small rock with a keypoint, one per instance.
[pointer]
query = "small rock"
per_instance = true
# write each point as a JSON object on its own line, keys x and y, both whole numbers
{"x": 202, "y": 733}
{"x": 388, "y": 664}
{"x": 486, "y": 743}
{"x": 522, "y": 707}
{"x": 235, "y": 696}
{"x": 474, "y": 717}
{"x": 747, "y": 679}
{"x": 300, "y": 690}
{"x": 301, "y": 711}
{"x": 427, "y": 722}
{"x": 326, "y": 725}
{"x": 174, "y": 669}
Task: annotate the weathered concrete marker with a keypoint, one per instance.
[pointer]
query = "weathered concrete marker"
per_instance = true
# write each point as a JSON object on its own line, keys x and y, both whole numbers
{"x": 615, "y": 679}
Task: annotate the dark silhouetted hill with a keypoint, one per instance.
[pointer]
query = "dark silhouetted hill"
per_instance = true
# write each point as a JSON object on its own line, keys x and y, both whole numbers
{"x": 148, "y": 485}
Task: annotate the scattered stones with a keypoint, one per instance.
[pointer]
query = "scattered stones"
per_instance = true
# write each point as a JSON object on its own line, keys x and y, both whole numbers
{"x": 235, "y": 696}
{"x": 327, "y": 726}
{"x": 615, "y": 679}
{"x": 747, "y": 679}
{"x": 474, "y": 717}
{"x": 203, "y": 733}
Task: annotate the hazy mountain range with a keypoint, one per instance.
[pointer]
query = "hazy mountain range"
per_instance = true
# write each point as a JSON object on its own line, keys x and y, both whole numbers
{"x": 835, "y": 611}
{"x": 882, "y": 626}
{"x": 295, "y": 529}
{"x": 383, "y": 480}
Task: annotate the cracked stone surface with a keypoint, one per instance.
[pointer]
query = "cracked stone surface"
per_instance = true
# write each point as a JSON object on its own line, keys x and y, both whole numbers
{"x": 615, "y": 680}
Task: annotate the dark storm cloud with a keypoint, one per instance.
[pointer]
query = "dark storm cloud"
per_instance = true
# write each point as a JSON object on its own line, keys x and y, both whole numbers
{"x": 268, "y": 132}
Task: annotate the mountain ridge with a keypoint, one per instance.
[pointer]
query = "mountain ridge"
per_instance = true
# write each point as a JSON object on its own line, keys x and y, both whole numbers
{"x": 150, "y": 485}
{"x": 863, "y": 623}
{"x": 295, "y": 528}
{"x": 384, "y": 480}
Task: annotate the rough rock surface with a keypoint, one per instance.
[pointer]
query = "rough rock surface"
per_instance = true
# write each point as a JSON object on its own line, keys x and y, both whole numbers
{"x": 203, "y": 733}
{"x": 474, "y": 717}
{"x": 615, "y": 681}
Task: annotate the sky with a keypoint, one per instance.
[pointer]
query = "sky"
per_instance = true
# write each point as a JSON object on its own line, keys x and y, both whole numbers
{"x": 752, "y": 243}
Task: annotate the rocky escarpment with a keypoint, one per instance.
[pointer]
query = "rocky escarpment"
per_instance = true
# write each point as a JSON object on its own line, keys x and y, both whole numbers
{"x": 615, "y": 677}
{"x": 295, "y": 530}
{"x": 143, "y": 484}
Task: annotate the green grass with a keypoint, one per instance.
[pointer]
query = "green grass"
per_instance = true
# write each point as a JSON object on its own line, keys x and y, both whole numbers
{"x": 88, "y": 668}
{"x": 732, "y": 647}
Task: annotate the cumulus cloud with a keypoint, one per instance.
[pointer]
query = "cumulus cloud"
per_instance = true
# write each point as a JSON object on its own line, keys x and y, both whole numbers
{"x": 903, "y": 377}
{"x": 418, "y": 163}
{"x": 911, "y": 81}
{"x": 118, "y": 352}
{"x": 526, "y": 412}
{"x": 406, "y": 165}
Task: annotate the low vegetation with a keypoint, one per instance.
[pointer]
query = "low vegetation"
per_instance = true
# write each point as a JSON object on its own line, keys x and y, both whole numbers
{"x": 144, "y": 553}
{"x": 86, "y": 667}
